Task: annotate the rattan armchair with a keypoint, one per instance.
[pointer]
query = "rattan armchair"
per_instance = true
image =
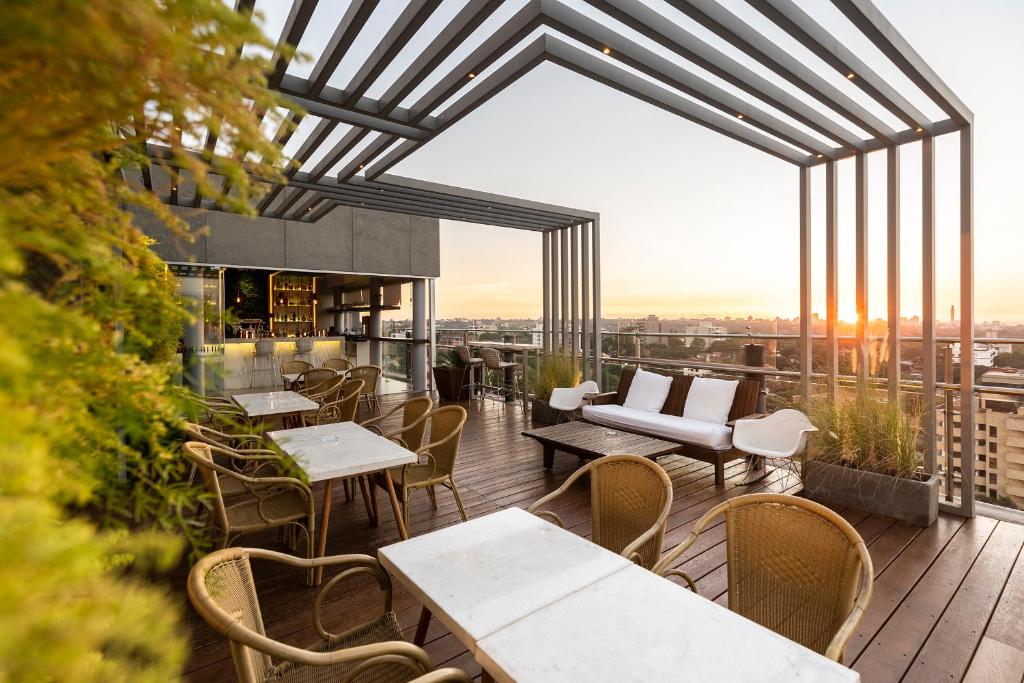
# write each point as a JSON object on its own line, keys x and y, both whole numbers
{"x": 222, "y": 590}
{"x": 436, "y": 464}
{"x": 410, "y": 434}
{"x": 794, "y": 566}
{"x": 293, "y": 367}
{"x": 339, "y": 364}
{"x": 313, "y": 381}
{"x": 630, "y": 498}
{"x": 248, "y": 455}
{"x": 369, "y": 374}
{"x": 344, "y": 408}
{"x": 272, "y": 501}
{"x": 327, "y": 391}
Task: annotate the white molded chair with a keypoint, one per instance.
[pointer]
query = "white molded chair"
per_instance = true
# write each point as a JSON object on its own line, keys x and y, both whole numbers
{"x": 568, "y": 400}
{"x": 780, "y": 436}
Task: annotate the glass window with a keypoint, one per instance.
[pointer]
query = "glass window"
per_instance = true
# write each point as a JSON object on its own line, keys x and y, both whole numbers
{"x": 992, "y": 431}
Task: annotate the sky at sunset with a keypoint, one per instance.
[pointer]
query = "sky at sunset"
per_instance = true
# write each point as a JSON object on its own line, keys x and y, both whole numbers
{"x": 695, "y": 223}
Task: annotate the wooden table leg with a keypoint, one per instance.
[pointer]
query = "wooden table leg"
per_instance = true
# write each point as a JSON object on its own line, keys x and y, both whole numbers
{"x": 421, "y": 627}
{"x": 549, "y": 456}
{"x": 325, "y": 517}
{"x": 485, "y": 677}
{"x": 395, "y": 505}
{"x": 366, "y": 498}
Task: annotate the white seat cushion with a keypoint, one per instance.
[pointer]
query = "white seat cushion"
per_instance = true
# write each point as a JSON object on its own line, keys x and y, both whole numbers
{"x": 648, "y": 391}
{"x": 710, "y": 400}
{"x": 686, "y": 430}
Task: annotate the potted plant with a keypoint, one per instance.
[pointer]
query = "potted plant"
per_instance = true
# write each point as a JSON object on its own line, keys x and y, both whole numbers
{"x": 866, "y": 454}
{"x": 553, "y": 370}
{"x": 451, "y": 374}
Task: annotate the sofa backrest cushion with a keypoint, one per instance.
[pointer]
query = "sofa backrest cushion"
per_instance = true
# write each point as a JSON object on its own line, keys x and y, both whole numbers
{"x": 744, "y": 403}
{"x": 647, "y": 391}
{"x": 710, "y": 400}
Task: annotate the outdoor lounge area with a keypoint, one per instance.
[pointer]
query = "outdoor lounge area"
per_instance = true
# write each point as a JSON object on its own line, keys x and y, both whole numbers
{"x": 240, "y": 442}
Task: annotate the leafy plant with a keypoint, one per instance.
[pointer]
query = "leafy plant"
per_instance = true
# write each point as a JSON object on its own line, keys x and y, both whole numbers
{"x": 450, "y": 358}
{"x": 91, "y": 480}
{"x": 866, "y": 432}
{"x": 555, "y": 370}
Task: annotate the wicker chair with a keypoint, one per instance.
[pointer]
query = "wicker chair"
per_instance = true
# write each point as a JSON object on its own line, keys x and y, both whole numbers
{"x": 327, "y": 391}
{"x": 476, "y": 367}
{"x": 344, "y": 408}
{"x": 630, "y": 498}
{"x": 248, "y": 455}
{"x": 293, "y": 367}
{"x": 500, "y": 390}
{"x": 272, "y": 502}
{"x": 339, "y": 364}
{"x": 794, "y": 566}
{"x": 439, "y": 467}
{"x": 410, "y": 435}
{"x": 369, "y": 374}
{"x": 311, "y": 381}
{"x": 222, "y": 590}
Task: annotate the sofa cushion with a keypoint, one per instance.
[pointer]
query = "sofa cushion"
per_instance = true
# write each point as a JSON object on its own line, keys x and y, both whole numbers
{"x": 648, "y": 391}
{"x": 710, "y": 400}
{"x": 685, "y": 430}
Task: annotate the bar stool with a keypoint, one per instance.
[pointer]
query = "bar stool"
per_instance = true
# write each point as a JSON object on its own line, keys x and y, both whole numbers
{"x": 475, "y": 365}
{"x": 304, "y": 349}
{"x": 264, "y": 356}
{"x": 492, "y": 361}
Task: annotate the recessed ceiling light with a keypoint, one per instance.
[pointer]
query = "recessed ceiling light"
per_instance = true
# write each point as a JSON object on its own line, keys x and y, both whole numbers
{"x": 360, "y": 166}
{"x": 851, "y": 75}
{"x": 919, "y": 129}
{"x": 739, "y": 116}
{"x": 820, "y": 155}
{"x": 472, "y": 75}
{"x": 607, "y": 50}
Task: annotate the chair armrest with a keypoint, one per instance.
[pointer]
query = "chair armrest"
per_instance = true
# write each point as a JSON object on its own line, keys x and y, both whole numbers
{"x": 752, "y": 416}
{"x": 357, "y": 565}
{"x": 603, "y": 399}
{"x": 373, "y": 421}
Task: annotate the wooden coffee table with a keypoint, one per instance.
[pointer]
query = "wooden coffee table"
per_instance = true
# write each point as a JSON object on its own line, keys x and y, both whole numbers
{"x": 590, "y": 441}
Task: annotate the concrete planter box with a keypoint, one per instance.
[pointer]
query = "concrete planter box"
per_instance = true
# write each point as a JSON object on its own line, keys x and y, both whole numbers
{"x": 542, "y": 414}
{"x": 914, "y": 501}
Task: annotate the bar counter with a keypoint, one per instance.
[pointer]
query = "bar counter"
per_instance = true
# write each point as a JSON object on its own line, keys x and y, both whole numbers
{"x": 239, "y": 355}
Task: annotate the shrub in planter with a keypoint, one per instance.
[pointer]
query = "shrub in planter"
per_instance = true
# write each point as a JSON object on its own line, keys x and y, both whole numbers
{"x": 866, "y": 454}
{"x": 553, "y": 370}
{"x": 451, "y": 374}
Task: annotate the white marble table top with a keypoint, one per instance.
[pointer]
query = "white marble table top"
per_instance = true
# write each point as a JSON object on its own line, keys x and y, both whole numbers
{"x": 636, "y": 626}
{"x": 273, "y": 403}
{"x": 484, "y": 574}
{"x": 342, "y": 449}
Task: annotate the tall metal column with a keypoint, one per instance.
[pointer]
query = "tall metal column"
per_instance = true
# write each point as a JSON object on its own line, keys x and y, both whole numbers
{"x": 598, "y": 376}
{"x": 419, "y": 334}
{"x": 805, "y": 283}
{"x": 863, "y": 352}
{"x": 545, "y": 324}
{"x": 967, "y": 415}
{"x": 556, "y": 298}
{"x": 892, "y": 209}
{"x": 574, "y": 278}
{"x": 564, "y": 289}
{"x": 585, "y": 283}
{"x": 928, "y": 353}
{"x": 376, "y": 330}
{"x": 831, "y": 278}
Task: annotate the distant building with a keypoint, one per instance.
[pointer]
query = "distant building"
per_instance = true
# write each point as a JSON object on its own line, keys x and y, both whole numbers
{"x": 984, "y": 354}
{"x": 703, "y": 328}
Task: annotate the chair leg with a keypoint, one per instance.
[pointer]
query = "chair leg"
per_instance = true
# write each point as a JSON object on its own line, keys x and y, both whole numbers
{"x": 366, "y": 498}
{"x": 458, "y": 499}
{"x": 310, "y": 551}
{"x": 405, "y": 506}
{"x": 375, "y": 513}
{"x": 432, "y": 496}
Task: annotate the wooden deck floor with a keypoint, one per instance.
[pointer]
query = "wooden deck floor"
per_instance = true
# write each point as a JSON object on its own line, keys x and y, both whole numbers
{"x": 948, "y": 602}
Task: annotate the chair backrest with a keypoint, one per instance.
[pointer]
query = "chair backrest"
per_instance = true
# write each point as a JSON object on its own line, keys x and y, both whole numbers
{"x": 629, "y": 494}
{"x": 344, "y": 408}
{"x": 412, "y": 411}
{"x": 445, "y": 436}
{"x": 222, "y": 590}
{"x": 295, "y": 367}
{"x": 208, "y": 435}
{"x": 369, "y": 375}
{"x": 464, "y": 353}
{"x": 313, "y": 378}
{"x": 744, "y": 402}
{"x": 794, "y": 566}
{"x": 339, "y": 364}
{"x": 326, "y": 391}
{"x": 491, "y": 357}
{"x": 589, "y": 387}
{"x": 201, "y": 455}
{"x": 782, "y": 434}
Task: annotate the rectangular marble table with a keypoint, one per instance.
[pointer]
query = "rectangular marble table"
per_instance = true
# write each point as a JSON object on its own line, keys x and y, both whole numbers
{"x": 271, "y": 403}
{"x": 482, "y": 575}
{"x": 636, "y": 626}
{"x": 340, "y": 450}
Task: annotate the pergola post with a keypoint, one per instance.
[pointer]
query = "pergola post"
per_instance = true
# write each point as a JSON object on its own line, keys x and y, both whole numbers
{"x": 419, "y": 334}
{"x": 585, "y": 298}
{"x": 564, "y": 270}
{"x": 574, "y": 239}
{"x": 556, "y": 298}
{"x": 376, "y": 329}
{"x": 545, "y": 324}
{"x": 928, "y": 351}
{"x": 967, "y": 416}
{"x": 863, "y": 352}
{"x": 892, "y": 208}
{"x": 598, "y": 376}
{"x": 831, "y": 278}
{"x": 805, "y": 284}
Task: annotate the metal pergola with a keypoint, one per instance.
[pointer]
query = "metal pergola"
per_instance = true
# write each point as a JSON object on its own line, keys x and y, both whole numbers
{"x": 765, "y": 73}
